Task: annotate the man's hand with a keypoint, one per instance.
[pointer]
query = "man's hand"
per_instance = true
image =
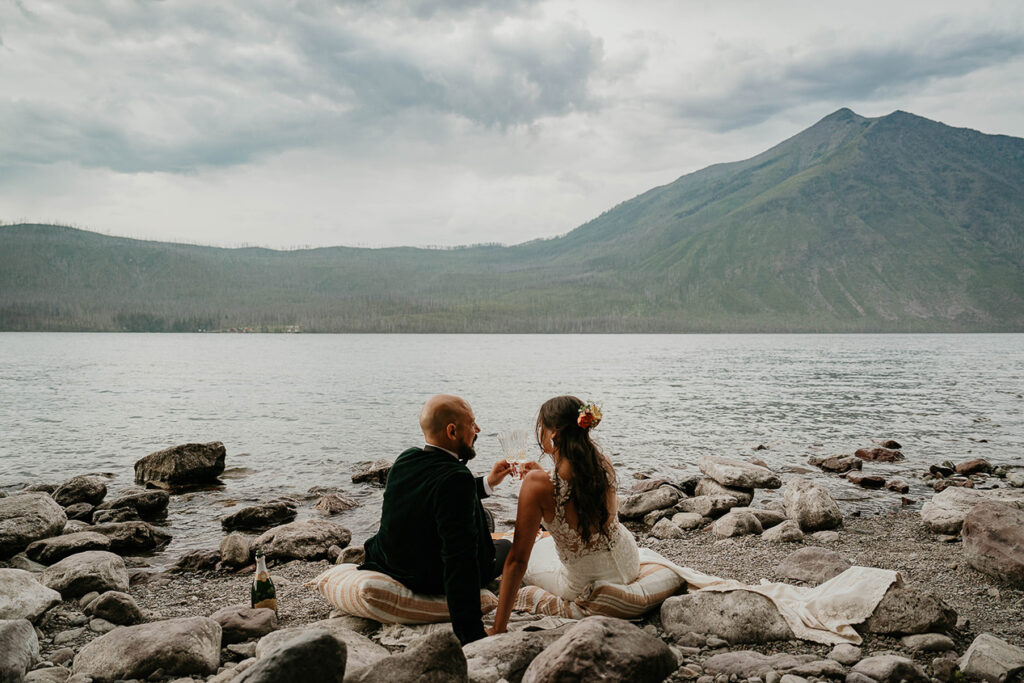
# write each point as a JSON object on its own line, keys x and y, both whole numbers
{"x": 501, "y": 469}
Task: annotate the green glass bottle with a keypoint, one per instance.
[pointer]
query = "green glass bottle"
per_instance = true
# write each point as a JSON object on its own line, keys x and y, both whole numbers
{"x": 263, "y": 593}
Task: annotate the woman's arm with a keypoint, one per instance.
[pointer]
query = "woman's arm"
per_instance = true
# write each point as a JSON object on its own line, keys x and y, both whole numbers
{"x": 536, "y": 488}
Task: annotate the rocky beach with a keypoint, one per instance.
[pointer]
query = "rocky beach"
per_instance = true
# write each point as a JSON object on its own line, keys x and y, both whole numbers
{"x": 79, "y": 600}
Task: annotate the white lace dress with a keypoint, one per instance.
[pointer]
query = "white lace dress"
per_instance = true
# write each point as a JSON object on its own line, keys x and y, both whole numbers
{"x": 562, "y": 564}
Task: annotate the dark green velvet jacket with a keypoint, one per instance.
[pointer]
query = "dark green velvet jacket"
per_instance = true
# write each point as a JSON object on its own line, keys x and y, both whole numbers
{"x": 433, "y": 534}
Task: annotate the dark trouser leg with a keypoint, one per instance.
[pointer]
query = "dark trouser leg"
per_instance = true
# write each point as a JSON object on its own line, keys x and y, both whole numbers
{"x": 501, "y": 549}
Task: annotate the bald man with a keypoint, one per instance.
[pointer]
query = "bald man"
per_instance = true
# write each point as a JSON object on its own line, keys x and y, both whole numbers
{"x": 433, "y": 533}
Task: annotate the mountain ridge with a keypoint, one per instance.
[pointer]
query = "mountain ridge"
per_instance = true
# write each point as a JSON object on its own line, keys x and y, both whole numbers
{"x": 893, "y": 223}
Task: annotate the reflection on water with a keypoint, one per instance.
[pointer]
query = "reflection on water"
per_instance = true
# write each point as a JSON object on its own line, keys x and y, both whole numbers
{"x": 297, "y": 411}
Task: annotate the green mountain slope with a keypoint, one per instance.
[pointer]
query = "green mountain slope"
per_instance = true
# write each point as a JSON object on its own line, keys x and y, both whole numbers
{"x": 890, "y": 224}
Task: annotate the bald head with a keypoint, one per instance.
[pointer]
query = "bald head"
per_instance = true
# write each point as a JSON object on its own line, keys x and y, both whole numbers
{"x": 448, "y": 421}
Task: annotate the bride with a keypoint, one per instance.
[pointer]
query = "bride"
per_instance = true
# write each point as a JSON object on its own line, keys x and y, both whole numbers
{"x": 576, "y": 503}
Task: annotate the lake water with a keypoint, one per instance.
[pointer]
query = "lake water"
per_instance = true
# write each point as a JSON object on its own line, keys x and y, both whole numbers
{"x": 296, "y": 411}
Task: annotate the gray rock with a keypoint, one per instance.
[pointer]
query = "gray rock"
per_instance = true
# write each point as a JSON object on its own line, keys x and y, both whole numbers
{"x": 707, "y": 506}
{"x": 51, "y": 674}
{"x": 879, "y": 454}
{"x": 903, "y": 611}
{"x": 333, "y": 503}
{"x": 655, "y": 516}
{"x": 239, "y": 623}
{"x": 203, "y": 559}
{"x": 28, "y": 517}
{"x": 234, "y": 550}
{"x": 826, "y": 536}
{"x": 75, "y": 525}
{"x": 63, "y": 656}
{"x": 767, "y": 518}
{"x": 736, "y": 522}
{"x": 810, "y": 505}
{"x": 116, "y": 607}
{"x": 244, "y": 650}
{"x": 688, "y": 520}
{"x": 639, "y": 504}
{"x": 928, "y": 642}
{"x": 176, "y": 647}
{"x": 82, "y": 489}
{"x": 23, "y": 597}
{"x": 791, "y": 678}
{"x": 786, "y": 532}
{"x": 812, "y": 564}
{"x": 114, "y": 516}
{"x": 993, "y": 535}
{"x": 360, "y": 625}
{"x": 79, "y": 511}
{"x": 354, "y": 554}
{"x": 738, "y": 474}
{"x": 362, "y": 652}
{"x": 435, "y": 658}
{"x": 890, "y": 669}
{"x": 503, "y": 656}
{"x": 837, "y": 463}
{"x": 945, "y": 512}
{"x": 19, "y": 648}
{"x": 603, "y": 648}
{"x": 263, "y": 516}
{"x": 93, "y": 570}
{"x": 736, "y": 616}
{"x": 312, "y": 656}
{"x": 375, "y": 473}
{"x": 307, "y": 539}
{"x": 56, "y": 548}
{"x": 1015, "y": 478}
{"x": 710, "y": 487}
{"x": 129, "y": 538}
{"x": 992, "y": 659}
{"x": 822, "y": 668}
{"x": 101, "y": 626}
{"x": 846, "y": 654}
{"x": 665, "y": 530}
{"x": 68, "y": 636}
{"x": 147, "y": 503}
{"x": 747, "y": 663}
{"x": 190, "y": 464}
{"x": 87, "y": 599}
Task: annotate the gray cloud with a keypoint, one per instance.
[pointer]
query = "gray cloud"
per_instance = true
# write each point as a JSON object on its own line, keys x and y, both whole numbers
{"x": 768, "y": 87}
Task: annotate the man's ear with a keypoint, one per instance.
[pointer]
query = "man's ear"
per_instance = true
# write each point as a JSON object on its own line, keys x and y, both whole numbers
{"x": 450, "y": 430}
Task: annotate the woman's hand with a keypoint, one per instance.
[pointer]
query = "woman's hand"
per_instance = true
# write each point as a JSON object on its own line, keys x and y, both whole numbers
{"x": 530, "y": 466}
{"x": 493, "y": 631}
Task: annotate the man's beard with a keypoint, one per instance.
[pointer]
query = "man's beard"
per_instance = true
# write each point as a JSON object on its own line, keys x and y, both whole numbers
{"x": 466, "y": 452}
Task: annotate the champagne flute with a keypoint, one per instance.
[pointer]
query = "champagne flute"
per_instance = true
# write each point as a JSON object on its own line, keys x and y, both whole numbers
{"x": 514, "y": 444}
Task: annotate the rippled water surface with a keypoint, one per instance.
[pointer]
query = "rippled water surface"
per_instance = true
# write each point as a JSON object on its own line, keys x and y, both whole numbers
{"x": 297, "y": 411}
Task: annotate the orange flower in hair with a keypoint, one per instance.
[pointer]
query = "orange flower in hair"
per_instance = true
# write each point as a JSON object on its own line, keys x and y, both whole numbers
{"x": 590, "y": 415}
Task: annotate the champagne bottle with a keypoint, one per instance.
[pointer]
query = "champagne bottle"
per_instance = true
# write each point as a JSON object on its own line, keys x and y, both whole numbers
{"x": 263, "y": 593}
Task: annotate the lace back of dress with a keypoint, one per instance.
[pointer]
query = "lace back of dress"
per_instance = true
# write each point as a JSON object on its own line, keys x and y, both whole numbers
{"x": 568, "y": 539}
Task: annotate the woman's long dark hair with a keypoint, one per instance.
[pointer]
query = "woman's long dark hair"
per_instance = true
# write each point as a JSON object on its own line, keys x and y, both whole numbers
{"x": 590, "y": 478}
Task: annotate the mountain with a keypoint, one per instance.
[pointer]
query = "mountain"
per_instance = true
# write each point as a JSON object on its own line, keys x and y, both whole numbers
{"x": 896, "y": 223}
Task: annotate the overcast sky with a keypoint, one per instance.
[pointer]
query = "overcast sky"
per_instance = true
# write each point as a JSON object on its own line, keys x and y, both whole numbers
{"x": 442, "y": 122}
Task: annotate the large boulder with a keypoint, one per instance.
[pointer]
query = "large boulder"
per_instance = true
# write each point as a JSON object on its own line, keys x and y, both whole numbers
{"x": 19, "y": 649}
{"x": 311, "y": 656}
{"x": 262, "y": 516}
{"x": 81, "y": 489}
{"x": 56, "y": 548}
{"x": 240, "y": 623}
{"x": 23, "y": 597}
{"x": 362, "y": 652}
{"x": 434, "y": 658}
{"x": 993, "y": 536}
{"x": 603, "y": 648}
{"x": 190, "y": 464}
{"x": 129, "y": 538}
{"x": 812, "y": 564}
{"x": 28, "y": 517}
{"x": 891, "y": 669}
{"x": 737, "y": 616}
{"x": 810, "y": 505}
{"x": 785, "y": 532}
{"x": 93, "y": 570}
{"x": 710, "y": 487}
{"x": 639, "y": 504}
{"x": 234, "y": 550}
{"x": 905, "y": 611}
{"x": 307, "y": 539}
{"x": 737, "y": 522}
{"x": 503, "y": 657}
{"x": 992, "y": 659}
{"x": 147, "y": 504}
{"x": 945, "y": 512}
{"x": 175, "y": 647}
{"x": 738, "y": 474}
{"x": 116, "y": 607}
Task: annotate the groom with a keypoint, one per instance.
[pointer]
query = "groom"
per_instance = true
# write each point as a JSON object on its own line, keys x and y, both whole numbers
{"x": 433, "y": 535}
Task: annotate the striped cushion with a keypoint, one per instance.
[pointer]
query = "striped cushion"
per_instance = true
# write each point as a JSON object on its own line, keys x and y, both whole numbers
{"x": 377, "y": 596}
{"x": 654, "y": 584}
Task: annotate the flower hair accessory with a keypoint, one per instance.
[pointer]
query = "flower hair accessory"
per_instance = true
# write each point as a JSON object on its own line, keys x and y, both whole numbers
{"x": 590, "y": 415}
